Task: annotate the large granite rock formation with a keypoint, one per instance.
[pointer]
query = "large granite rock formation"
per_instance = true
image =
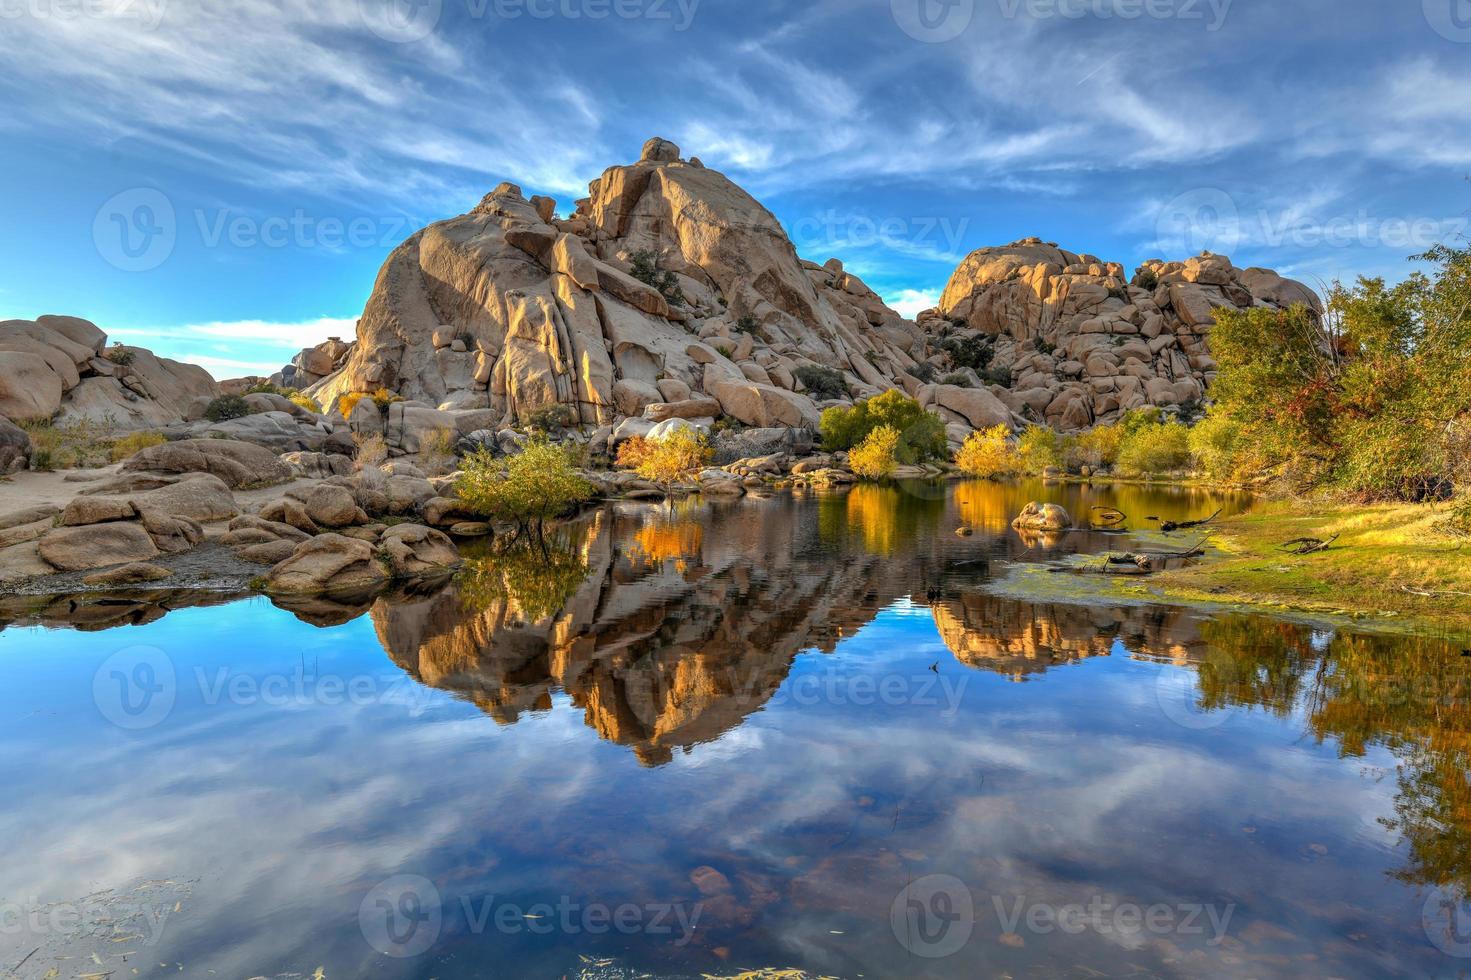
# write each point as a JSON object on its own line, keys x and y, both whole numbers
{"x": 672, "y": 293}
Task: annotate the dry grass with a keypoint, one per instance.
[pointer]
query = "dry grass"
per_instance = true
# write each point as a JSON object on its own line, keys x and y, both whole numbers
{"x": 82, "y": 444}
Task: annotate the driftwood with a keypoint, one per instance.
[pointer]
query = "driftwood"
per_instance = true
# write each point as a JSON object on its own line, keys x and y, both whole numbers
{"x": 1108, "y": 518}
{"x": 1432, "y": 594}
{"x": 1168, "y": 526}
{"x": 1308, "y": 546}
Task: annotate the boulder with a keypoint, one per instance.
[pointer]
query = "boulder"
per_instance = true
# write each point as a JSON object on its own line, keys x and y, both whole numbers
{"x": 328, "y": 563}
{"x": 977, "y": 406}
{"x": 29, "y": 388}
{"x": 77, "y": 549}
{"x": 97, "y": 510}
{"x": 237, "y": 464}
{"x": 171, "y": 533}
{"x": 334, "y": 507}
{"x": 267, "y": 552}
{"x": 668, "y": 428}
{"x": 416, "y": 551}
{"x": 198, "y": 496}
{"x": 1043, "y": 517}
{"x": 690, "y": 408}
{"x": 318, "y": 466}
{"x": 15, "y": 447}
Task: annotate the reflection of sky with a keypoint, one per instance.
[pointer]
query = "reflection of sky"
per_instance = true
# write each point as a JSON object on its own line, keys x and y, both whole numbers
{"x": 831, "y": 798}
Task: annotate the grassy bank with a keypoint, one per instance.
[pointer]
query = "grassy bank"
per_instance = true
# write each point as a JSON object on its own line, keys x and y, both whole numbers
{"x": 1382, "y": 550}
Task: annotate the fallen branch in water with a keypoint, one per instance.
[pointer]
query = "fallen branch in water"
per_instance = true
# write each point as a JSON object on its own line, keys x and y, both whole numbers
{"x": 1168, "y": 526}
{"x": 1308, "y": 546}
{"x": 1108, "y": 517}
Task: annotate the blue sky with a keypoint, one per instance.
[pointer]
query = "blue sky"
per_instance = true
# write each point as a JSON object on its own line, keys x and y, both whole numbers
{"x": 221, "y": 179}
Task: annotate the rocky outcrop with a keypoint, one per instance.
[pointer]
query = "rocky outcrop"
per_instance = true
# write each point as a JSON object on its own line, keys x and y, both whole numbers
{"x": 58, "y": 366}
{"x": 668, "y": 283}
{"x": 238, "y": 464}
{"x": 1078, "y": 342}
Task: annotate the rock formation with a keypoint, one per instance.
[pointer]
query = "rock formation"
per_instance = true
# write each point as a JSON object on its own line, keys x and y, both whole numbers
{"x": 671, "y": 293}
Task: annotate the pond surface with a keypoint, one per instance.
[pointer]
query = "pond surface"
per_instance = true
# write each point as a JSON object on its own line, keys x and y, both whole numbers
{"x": 786, "y": 733}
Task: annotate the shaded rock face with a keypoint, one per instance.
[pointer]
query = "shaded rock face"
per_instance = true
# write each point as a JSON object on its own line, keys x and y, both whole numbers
{"x": 1083, "y": 343}
{"x": 508, "y": 308}
{"x": 61, "y": 366}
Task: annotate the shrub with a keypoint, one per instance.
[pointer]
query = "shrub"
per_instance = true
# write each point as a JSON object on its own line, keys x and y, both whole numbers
{"x": 1097, "y": 447}
{"x": 372, "y": 450}
{"x": 1145, "y": 278}
{"x": 1037, "y": 448}
{"x": 959, "y": 379}
{"x": 921, "y": 433}
{"x": 1215, "y": 444}
{"x": 923, "y": 371}
{"x": 69, "y": 445}
{"x": 973, "y": 352}
{"x": 999, "y": 375}
{"x": 552, "y": 418}
{"x": 227, "y": 407}
{"x": 726, "y": 351}
{"x": 134, "y": 443}
{"x": 1157, "y": 448}
{"x": 383, "y": 398}
{"x": 528, "y": 488}
{"x": 677, "y": 456}
{"x": 632, "y": 452}
{"x": 748, "y": 324}
{"x": 824, "y": 384}
{"x": 644, "y": 266}
{"x": 437, "y": 449}
{"x": 1044, "y": 346}
{"x": 988, "y": 453}
{"x": 874, "y": 458}
{"x": 120, "y": 355}
{"x": 306, "y": 402}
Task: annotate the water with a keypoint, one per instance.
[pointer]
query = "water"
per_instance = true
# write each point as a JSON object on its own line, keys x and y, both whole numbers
{"x": 762, "y": 735}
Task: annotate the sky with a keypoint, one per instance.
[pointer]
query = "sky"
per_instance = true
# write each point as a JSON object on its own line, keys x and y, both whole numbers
{"x": 220, "y": 180}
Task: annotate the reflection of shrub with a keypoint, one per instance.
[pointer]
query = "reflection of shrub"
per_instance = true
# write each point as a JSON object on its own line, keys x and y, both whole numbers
{"x": 535, "y": 578}
{"x": 874, "y": 458}
{"x": 822, "y": 383}
{"x": 921, "y": 433}
{"x": 227, "y": 407}
{"x": 528, "y": 488}
{"x": 988, "y": 453}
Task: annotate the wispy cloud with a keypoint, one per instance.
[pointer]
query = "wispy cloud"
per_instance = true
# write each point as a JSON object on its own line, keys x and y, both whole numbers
{"x": 238, "y": 348}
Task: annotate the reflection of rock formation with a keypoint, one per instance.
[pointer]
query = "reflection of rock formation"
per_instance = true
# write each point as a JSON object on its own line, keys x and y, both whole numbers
{"x": 1020, "y": 638}
{"x": 672, "y": 639}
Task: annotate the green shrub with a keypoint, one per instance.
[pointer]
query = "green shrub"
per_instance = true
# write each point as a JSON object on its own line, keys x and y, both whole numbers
{"x": 923, "y": 371}
{"x": 998, "y": 375}
{"x": 1098, "y": 447}
{"x": 921, "y": 433}
{"x": 644, "y": 267}
{"x": 1146, "y": 278}
{"x": 973, "y": 352}
{"x": 552, "y": 418}
{"x": 529, "y": 488}
{"x": 1155, "y": 449}
{"x": 959, "y": 379}
{"x": 1037, "y": 448}
{"x": 822, "y": 383}
{"x": 227, "y": 407}
{"x": 748, "y": 324}
{"x": 1215, "y": 444}
{"x": 136, "y": 442}
{"x": 120, "y": 355}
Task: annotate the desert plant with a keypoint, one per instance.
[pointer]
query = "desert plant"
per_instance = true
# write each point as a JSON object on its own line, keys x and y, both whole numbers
{"x": 1037, "y": 448}
{"x": 644, "y": 266}
{"x": 134, "y": 443}
{"x": 372, "y": 450}
{"x": 120, "y": 355}
{"x": 1157, "y": 448}
{"x": 748, "y": 324}
{"x": 437, "y": 449}
{"x": 923, "y": 371}
{"x": 1215, "y": 445}
{"x": 823, "y": 383}
{"x": 678, "y": 456}
{"x": 306, "y": 402}
{"x": 1097, "y": 447}
{"x": 988, "y": 453}
{"x": 529, "y": 488}
{"x": 552, "y": 418}
{"x": 921, "y": 433}
{"x": 997, "y": 375}
{"x": 70, "y": 444}
{"x": 974, "y": 352}
{"x": 874, "y": 458}
{"x": 227, "y": 407}
{"x": 1145, "y": 278}
{"x": 957, "y": 378}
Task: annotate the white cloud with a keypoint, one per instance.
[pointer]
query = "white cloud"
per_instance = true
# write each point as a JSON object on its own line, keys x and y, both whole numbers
{"x": 909, "y": 303}
{"x": 232, "y": 349}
